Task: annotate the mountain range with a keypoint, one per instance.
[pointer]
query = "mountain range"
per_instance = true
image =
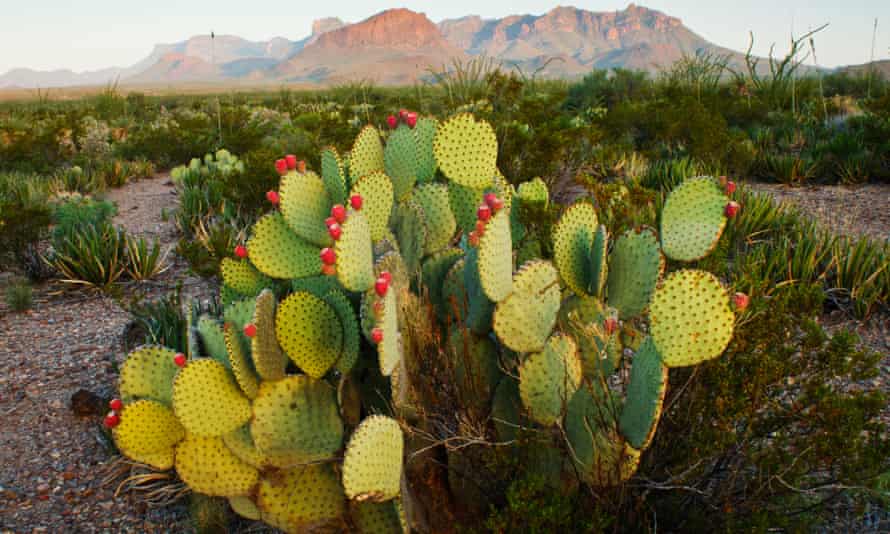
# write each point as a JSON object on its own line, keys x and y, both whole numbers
{"x": 399, "y": 46}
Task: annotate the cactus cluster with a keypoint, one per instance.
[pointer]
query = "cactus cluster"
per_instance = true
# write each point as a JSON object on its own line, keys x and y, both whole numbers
{"x": 422, "y": 232}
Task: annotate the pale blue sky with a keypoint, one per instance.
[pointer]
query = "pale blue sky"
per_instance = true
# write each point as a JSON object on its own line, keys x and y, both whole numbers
{"x": 92, "y": 34}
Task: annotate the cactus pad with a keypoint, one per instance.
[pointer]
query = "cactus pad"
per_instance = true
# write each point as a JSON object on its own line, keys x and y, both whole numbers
{"x": 393, "y": 263}
{"x": 376, "y": 190}
{"x": 355, "y": 259}
{"x": 241, "y": 276}
{"x": 214, "y": 339}
{"x": 209, "y": 467}
{"x": 148, "y": 373}
{"x": 241, "y": 364}
{"x": 597, "y": 266}
{"x": 433, "y": 273}
{"x": 479, "y": 308}
{"x": 400, "y": 159}
{"x": 693, "y": 219}
{"x": 244, "y": 507}
{"x": 424, "y": 136}
{"x": 645, "y": 395}
{"x": 239, "y": 313}
{"x": 351, "y": 335}
{"x": 268, "y": 359}
{"x": 303, "y": 499}
{"x": 378, "y": 517}
{"x": 582, "y": 318}
{"x": 367, "y": 154}
{"x": 410, "y": 231}
{"x": 440, "y": 223}
{"x": 372, "y": 465}
{"x": 548, "y": 379}
{"x": 280, "y": 253}
{"x": 690, "y": 318}
{"x": 454, "y": 292}
{"x": 147, "y": 433}
{"x": 533, "y": 194}
{"x": 240, "y": 442}
{"x": 310, "y": 333}
{"x": 496, "y": 257}
{"x": 318, "y": 285}
{"x": 573, "y": 237}
{"x": 466, "y": 150}
{"x": 389, "y": 350}
{"x": 332, "y": 175}
{"x": 507, "y": 411}
{"x": 305, "y": 204}
{"x": 206, "y": 399}
{"x": 476, "y": 369}
{"x": 635, "y": 265}
{"x": 464, "y": 202}
{"x": 524, "y": 320}
{"x": 296, "y": 421}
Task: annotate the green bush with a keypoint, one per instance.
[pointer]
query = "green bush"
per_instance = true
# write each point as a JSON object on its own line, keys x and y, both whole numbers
{"x": 19, "y": 296}
{"x": 91, "y": 256}
{"x": 25, "y": 217}
{"x": 73, "y": 211}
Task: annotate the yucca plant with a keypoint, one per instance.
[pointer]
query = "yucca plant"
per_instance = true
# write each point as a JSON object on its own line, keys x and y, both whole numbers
{"x": 789, "y": 169}
{"x": 761, "y": 219}
{"x": 858, "y": 269}
{"x": 92, "y": 256}
{"x": 144, "y": 260}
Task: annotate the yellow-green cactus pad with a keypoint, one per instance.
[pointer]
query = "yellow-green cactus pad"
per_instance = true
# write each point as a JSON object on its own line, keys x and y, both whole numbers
{"x": 305, "y": 204}
{"x": 548, "y": 379}
{"x": 433, "y": 273}
{"x": 690, "y": 318}
{"x": 693, "y": 219}
{"x": 296, "y": 421}
{"x": 147, "y": 433}
{"x": 241, "y": 276}
{"x": 523, "y": 321}
{"x": 389, "y": 351}
{"x": 303, "y": 499}
{"x": 572, "y": 239}
{"x": 351, "y": 335}
{"x": 533, "y": 194}
{"x": 244, "y": 507}
{"x": 241, "y": 364}
{"x": 367, "y": 154}
{"x": 332, "y": 175}
{"x": 280, "y": 253}
{"x": 377, "y": 517}
{"x": 376, "y": 190}
{"x": 268, "y": 358}
{"x": 410, "y": 230}
{"x": 440, "y": 223}
{"x": 355, "y": 259}
{"x": 213, "y": 339}
{"x": 239, "y": 313}
{"x": 464, "y": 202}
{"x": 317, "y": 285}
{"x": 148, "y": 373}
{"x": 645, "y": 395}
{"x": 310, "y": 333}
{"x": 476, "y": 369}
{"x": 597, "y": 268}
{"x": 479, "y": 308}
{"x": 466, "y": 150}
{"x": 372, "y": 466}
{"x": 207, "y": 466}
{"x": 207, "y": 400}
{"x": 424, "y": 136}
{"x": 240, "y": 442}
{"x": 400, "y": 159}
{"x": 583, "y": 318}
{"x": 496, "y": 257}
{"x": 635, "y": 266}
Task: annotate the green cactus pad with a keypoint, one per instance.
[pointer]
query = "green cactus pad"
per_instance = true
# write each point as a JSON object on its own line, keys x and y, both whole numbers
{"x": 464, "y": 202}
{"x": 533, "y": 194}
{"x": 691, "y": 321}
{"x": 332, "y": 175}
{"x": 280, "y": 253}
{"x": 645, "y": 395}
{"x": 268, "y": 358}
{"x": 635, "y": 265}
{"x": 573, "y": 238}
{"x": 241, "y": 364}
{"x": 355, "y": 259}
{"x": 310, "y": 333}
{"x": 393, "y": 263}
{"x": 466, "y": 150}
{"x": 227, "y": 295}
{"x": 597, "y": 267}
{"x": 389, "y": 351}
{"x": 244, "y": 507}
{"x": 454, "y": 292}
{"x": 240, "y": 442}
{"x": 476, "y": 369}
{"x": 305, "y": 204}
{"x": 148, "y": 431}
{"x": 351, "y": 335}
{"x": 370, "y": 312}
{"x": 411, "y": 232}
{"x": 693, "y": 219}
{"x": 207, "y": 400}
{"x": 400, "y": 158}
{"x": 496, "y": 257}
{"x": 241, "y": 276}
{"x": 376, "y": 191}
{"x": 424, "y": 136}
{"x": 433, "y": 274}
{"x": 582, "y": 318}
{"x": 317, "y": 285}
{"x": 440, "y": 223}
{"x": 367, "y": 154}
{"x": 377, "y": 517}
{"x": 148, "y": 373}
{"x": 239, "y": 313}
{"x": 207, "y": 466}
{"x": 524, "y": 320}
{"x": 304, "y": 499}
{"x": 507, "y": 412}
{"x": 372, "y": 465}
{"x": 296, "y": 421}
{"x": 479, "y": 308}
{"x": 213, "y": 338}
{"x": 548, "y": 379}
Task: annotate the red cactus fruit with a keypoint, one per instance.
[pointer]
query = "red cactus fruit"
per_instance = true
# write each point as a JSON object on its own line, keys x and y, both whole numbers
{"x": 386, "y": 276}
{"x": 116, "y": 405}
{"x": 392, "y": 121}
{"x": 335, "y": 231}
{"x": 328, "y": 270}
{"x": 480, "y": 228}
{"x": 483, "y": 213}
{"x": 291, "y": 161}
{"x": 411, "y": 119}
{"x": 250, "y": 330}
{"x": 356, "y": 202}
{"x": 329, "y": 221}
{"x": 111, "y": 420}
{"x": 273, "y": 197}
{"x": 473, "y": 239}
{"x": 281, "y": 166}
{"x": 610, "y": 325}
{"x": 740, "y": 301}
{"x": 377, "y": 336}
{"x": 730, "y": 187}
{"x": 241, "y": 251}
{"x": 328, "y": 256}
{"x": 338, "y": 212}
{"x": 381, "y": 286}
{"x": 179, "y": 359}
{"x": 731, "y": 209}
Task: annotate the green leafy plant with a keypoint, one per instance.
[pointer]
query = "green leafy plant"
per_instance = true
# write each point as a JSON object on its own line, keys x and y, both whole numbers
{"x": 18, "y": 295}
{"x": 91, "y": 256}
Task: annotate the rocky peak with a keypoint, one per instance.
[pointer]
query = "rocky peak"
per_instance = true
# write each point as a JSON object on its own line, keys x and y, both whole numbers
{"x": 326, "y": 24}
{"x": 400, "y": 28}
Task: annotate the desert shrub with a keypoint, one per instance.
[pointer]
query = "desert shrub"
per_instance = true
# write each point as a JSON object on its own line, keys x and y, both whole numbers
{"x": 18, "y": 295}
{"x": 73, "y": 211}
{"x": 25, "y": 217}
{"x": 605, "y": 88}
{"x": 91, "y": 256}
{"x": 144, "y": 260}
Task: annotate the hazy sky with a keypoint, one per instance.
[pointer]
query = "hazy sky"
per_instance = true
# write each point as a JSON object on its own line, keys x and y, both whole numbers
{"x": 92, "y": 34}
